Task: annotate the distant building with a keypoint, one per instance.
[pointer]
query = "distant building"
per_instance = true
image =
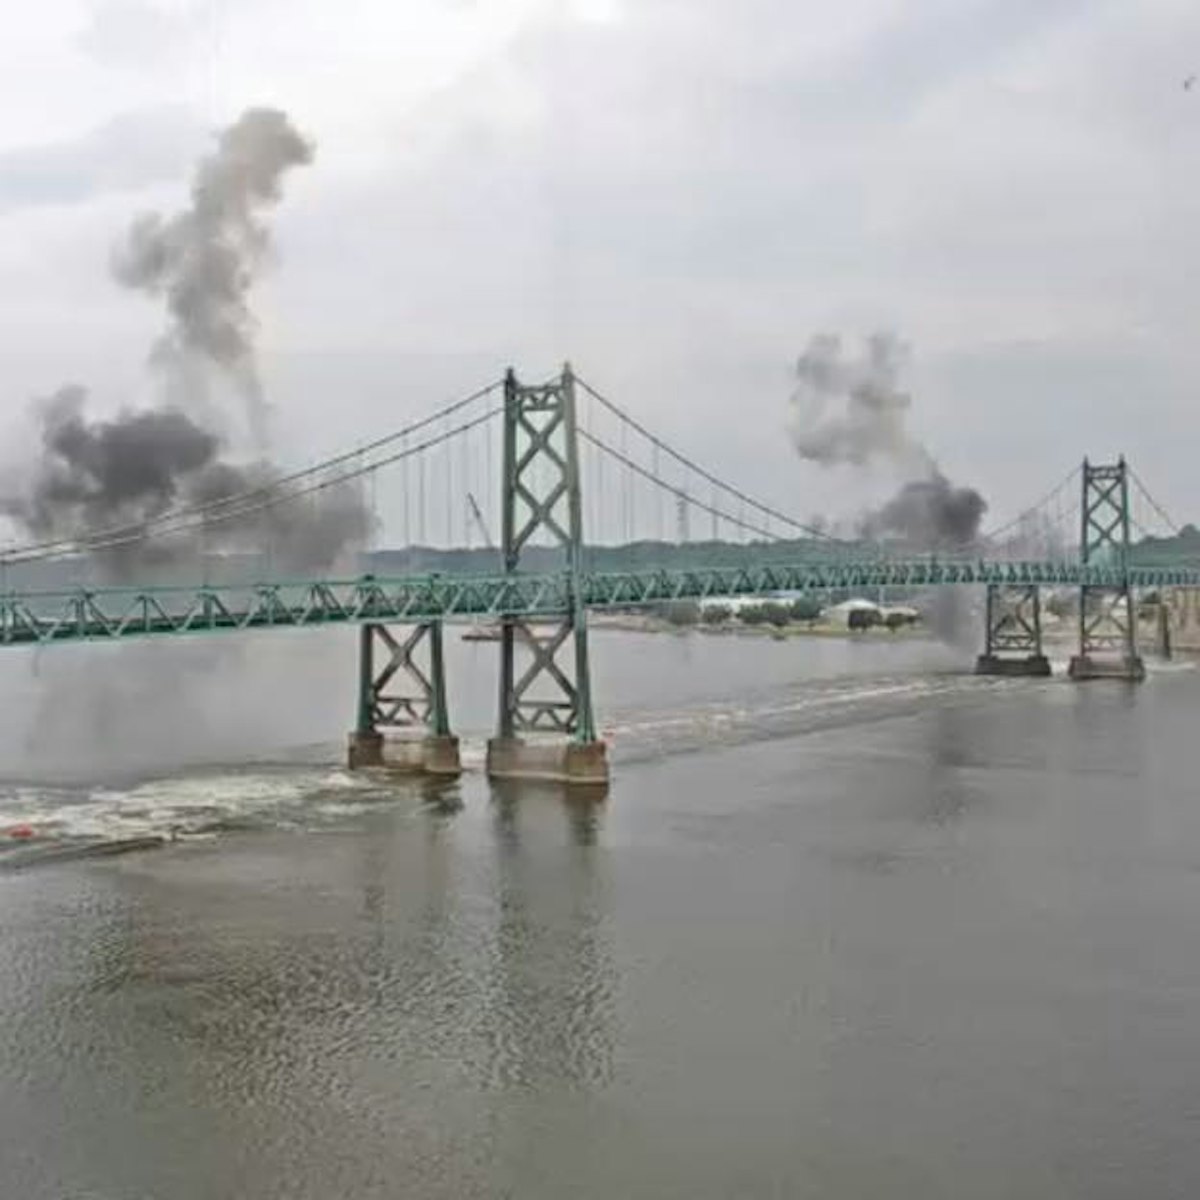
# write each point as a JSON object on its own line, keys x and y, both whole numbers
{"x": 841, "y": 614}
{"x": 734, "y": 603}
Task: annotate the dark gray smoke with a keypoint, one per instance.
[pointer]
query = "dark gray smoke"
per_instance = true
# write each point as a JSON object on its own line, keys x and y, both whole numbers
{"x": 94, "y": 476}
{"x": 852, "y": 411}
{"x": 930, "y": 514}
{"x": 306, "y": 534}
{"x": 205, "y": 259}
{"x": 110, "y": 477}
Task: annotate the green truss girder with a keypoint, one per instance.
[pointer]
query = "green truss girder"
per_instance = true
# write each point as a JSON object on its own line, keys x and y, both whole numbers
{"x": 1013, "y": 620}
{"x": 409, "y": 689}
{"x": 117, "y": 613}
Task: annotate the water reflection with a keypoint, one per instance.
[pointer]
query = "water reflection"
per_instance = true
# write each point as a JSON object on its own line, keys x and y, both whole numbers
{"x": 949, "y": 749}
{"x": 854, "y": 973}
{"x": 554, "y": 977}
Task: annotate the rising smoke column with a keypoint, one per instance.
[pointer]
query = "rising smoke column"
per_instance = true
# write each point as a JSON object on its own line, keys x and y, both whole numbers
{"x": 852, "y": 411}
{"x": 205, "y": 259}
{"x": 95, "y": 475}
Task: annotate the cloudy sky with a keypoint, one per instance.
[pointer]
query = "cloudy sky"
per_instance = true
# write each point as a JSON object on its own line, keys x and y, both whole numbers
{"x": 675, "y": 194}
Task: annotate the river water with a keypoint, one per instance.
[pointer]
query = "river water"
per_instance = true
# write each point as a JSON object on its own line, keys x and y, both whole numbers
{"x": 850, "y": 923}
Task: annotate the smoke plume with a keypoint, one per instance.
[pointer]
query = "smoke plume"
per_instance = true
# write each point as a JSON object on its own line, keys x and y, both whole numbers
{"x": 931, "y": 514}
{"x": 852, "y": 411}
{"x": 112, "y": 476}
{"x": 205, "y": 259}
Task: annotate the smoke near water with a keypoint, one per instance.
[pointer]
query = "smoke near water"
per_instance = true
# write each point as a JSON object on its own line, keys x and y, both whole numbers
{"x": 205, "y": 259}
{"x": 851, "y": 411}
{"x": 151, "y": 705}
{"x": 95, "y": 475}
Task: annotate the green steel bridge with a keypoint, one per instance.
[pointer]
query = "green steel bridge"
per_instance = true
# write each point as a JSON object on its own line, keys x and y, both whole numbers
{"x": 120, "y": 613}
{"x": 548, "y": 455}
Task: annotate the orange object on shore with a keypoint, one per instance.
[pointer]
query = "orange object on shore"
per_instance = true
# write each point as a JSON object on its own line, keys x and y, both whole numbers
{"x": 20, "y": 831}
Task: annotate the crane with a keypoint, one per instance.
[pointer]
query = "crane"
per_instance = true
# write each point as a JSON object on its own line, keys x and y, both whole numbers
{"x": 478, "y": 631}
{"x": 481, "y": 524}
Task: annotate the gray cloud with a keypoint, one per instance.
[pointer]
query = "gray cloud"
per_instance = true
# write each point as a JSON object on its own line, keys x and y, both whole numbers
{"x": 672, "y": 195}
{"x": 126, "y": 153}
{"x": 130, "y": 33}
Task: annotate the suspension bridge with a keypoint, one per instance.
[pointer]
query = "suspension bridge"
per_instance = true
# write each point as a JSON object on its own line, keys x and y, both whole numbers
{"x": 595, "y": 511}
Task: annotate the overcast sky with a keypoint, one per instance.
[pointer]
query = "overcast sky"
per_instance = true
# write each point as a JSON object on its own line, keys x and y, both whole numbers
{"x": 675, "y": 194}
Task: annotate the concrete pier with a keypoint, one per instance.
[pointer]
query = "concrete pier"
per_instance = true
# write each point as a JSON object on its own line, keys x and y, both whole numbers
{"x": 560, "y": 761}
{"x": 428, "y": 754}
{"x": 364, "y": 750}
{"x": 1084, "y": 666}
{"x": 1033, "y": 665}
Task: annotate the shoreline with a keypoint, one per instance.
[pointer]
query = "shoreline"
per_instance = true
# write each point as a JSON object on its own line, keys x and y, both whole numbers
{"x": 644, "y": 623}
{"x": 1058, "y": 638}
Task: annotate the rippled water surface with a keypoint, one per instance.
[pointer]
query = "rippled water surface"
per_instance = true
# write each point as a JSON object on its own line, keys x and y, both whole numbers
{"x": 849, "y": 924}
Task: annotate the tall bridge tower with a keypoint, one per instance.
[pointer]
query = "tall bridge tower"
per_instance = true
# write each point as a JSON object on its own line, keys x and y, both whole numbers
{"x": 1107, "y": 616}
{"x": 541, "y": 495}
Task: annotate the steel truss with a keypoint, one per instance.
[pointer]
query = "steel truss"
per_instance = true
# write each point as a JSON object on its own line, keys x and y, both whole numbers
{"x": 1107, "y": 617}
{"x": 119, "y": 613}
{"x": 406, "y": 693}
{"x": 1014, "y": 621}
{"x": 541, "y": 494}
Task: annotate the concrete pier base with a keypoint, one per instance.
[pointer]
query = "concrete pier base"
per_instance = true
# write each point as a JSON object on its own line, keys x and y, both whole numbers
{"x": 1083, "y": 666}
{"x": 427, "y": 755}
{"x": 364, "y": 750}
{"x": 562, "y": 762}
{"x": 1034, "y": 665}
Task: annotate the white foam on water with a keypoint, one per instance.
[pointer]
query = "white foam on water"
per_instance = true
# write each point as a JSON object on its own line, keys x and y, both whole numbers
{"x": 633, "y": 733}
{"x": 187, "y": 804}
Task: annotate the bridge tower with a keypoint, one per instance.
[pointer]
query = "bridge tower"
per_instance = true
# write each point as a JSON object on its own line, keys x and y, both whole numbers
{"x": 407, "y": 694}
{"x": 540, "y": 481}
{"x": 1013, "y": 634}
{"x": 1107, "y": 617}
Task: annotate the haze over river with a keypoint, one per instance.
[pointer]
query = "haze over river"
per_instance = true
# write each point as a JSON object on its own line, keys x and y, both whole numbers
{"x": 850, "y": 923}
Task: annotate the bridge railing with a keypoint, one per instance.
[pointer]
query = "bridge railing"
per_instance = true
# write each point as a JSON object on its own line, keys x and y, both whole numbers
{"x": 76, "y": 614}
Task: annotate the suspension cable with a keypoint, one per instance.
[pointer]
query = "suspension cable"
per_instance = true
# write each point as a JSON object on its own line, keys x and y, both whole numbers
{"x": 638, "y": 469}
{"x": 656, "y": 441}
{"x": 1154, "y": 504}
{"x": 1032, "y": 508}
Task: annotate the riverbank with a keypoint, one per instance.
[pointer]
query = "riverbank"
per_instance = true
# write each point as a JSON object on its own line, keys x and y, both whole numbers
{"x": 646, "y": 623}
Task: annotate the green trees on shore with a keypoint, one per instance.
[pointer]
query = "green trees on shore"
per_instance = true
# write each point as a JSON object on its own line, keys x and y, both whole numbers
{"x": 778, "y": 613}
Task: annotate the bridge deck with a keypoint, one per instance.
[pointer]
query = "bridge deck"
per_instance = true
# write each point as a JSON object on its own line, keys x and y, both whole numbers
{"x": 112, "y": 613}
